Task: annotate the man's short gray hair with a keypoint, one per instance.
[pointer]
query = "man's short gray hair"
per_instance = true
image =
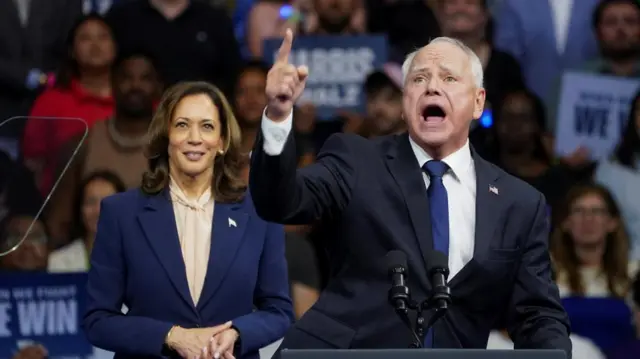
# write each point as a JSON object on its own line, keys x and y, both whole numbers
{"x": 476, "y": 64}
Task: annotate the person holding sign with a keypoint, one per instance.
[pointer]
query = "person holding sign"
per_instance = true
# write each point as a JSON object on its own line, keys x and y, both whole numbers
{"x": 420, "y": 192}
{"x": 186, "y": 253}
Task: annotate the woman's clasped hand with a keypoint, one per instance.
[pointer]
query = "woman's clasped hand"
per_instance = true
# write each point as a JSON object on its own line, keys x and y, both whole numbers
{"x": 204, "y": 343}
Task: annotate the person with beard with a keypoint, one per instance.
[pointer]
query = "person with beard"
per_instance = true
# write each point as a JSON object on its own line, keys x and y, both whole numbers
{"x": 617, "y": 27}
{"x": 335, "y": 17}
{"x": 115, "y": 145}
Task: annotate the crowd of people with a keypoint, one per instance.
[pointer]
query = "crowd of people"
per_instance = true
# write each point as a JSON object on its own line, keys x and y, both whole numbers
{"x": 80, "y": 82}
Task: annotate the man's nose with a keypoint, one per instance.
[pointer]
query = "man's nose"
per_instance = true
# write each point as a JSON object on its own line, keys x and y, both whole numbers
{"x": 433, "y": 86}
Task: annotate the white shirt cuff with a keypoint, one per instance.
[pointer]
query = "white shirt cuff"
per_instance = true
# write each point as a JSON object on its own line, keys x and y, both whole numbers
{"x": 275, "y": 133}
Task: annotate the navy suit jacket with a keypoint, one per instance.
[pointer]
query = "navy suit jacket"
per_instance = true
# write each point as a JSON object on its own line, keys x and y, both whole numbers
{"x": 372, "y": 199}
{"x": 137, "y": 261}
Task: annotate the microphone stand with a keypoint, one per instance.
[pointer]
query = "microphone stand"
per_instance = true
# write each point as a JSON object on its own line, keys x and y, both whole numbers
{"x": 439, "y": 301}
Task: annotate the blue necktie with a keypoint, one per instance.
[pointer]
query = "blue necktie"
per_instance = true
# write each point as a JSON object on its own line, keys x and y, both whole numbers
{"x": 439, "y": 208}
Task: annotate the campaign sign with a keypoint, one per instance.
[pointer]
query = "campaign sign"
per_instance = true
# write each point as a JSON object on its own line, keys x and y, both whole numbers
{"x": 592, "y": 112}
{"x": 338, "y": 66}
{"x": 45, "y": 309}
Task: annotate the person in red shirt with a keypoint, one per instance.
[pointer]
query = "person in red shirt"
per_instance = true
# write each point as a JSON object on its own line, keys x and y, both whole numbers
{"x": 80, "y": 96}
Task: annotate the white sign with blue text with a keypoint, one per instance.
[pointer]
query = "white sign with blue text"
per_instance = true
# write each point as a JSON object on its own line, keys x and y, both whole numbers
{"x": 592, "y": 112}
{"x": 45, "y": 309}
{"x": 338, "y": 67}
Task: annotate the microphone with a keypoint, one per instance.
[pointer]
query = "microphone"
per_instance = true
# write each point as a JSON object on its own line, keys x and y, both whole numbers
{"x": 438, "y": 270}
{"x": 399, "y": 296}
{"x": 399, "y": 293}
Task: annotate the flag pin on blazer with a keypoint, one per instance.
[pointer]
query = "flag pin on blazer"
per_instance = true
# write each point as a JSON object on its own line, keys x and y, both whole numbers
{"x": 232, "y": 223}
{"x": 493, "y": 190}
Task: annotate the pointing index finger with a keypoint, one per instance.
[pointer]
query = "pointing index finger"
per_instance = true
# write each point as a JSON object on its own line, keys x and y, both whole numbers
{"x": 285, "y": 48}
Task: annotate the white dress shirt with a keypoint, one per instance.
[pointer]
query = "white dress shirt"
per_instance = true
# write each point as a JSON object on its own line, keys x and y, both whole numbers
{"x": 561, "y": 16}
{"x": 460, "y": 182}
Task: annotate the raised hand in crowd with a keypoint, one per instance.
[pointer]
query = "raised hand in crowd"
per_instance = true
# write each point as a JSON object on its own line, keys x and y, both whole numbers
{"x": 31, "y": 352}
{"x": 195, "y": 342}
{"x": 285, "y": 82}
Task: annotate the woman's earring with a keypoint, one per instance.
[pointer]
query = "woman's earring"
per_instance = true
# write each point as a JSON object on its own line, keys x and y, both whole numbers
{"x": 221, "y": 152}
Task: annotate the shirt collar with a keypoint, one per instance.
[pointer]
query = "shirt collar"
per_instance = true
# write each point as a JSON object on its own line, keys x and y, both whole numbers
{"x": 459, "y": 162}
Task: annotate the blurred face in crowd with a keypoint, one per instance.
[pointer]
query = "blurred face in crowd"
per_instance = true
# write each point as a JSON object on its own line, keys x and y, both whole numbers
{"x": 93, "y": 45}
{"x": 195, "y": 136}
{"x": 384, "y": 110}
{"x": 619, "y": 30}
{"x": 462, "y": 17}
{"x": 334, "y": 16}
{"x": 517, "y": 128}
{"x": 94, "y": 192}
{"x": 441, "y": 98}
{"x": 589, "y": 221}
{"x": 136, "y": 87}
{"x": 32, "y": 254}
{"x": 250, "y": 98}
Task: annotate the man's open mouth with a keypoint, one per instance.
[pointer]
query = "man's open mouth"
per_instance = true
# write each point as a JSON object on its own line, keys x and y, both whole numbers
{"x": 433, "y": 113}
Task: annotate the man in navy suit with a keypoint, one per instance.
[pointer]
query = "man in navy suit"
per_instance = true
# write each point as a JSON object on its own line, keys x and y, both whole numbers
{"x": 414, "y": 192}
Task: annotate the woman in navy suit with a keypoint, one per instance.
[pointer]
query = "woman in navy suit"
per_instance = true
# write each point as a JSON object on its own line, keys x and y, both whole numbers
{"x": 186, "y": 253}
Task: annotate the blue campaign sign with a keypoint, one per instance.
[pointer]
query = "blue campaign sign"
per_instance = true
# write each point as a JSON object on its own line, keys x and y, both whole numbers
{"x": 338, "y": 66}
{"x": 46, "y": 309}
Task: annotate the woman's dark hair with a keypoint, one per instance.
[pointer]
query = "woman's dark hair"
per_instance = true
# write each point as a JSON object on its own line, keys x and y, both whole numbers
{"x": 251, "y": 65}
{"x": 616, "y": 254}
{"x": 69, "y": 67}
{"x": 539, "y": 114}
{"x": 79, "y": 229}
{"x": 228, "y": 184}
{"x": 626, "y": 150}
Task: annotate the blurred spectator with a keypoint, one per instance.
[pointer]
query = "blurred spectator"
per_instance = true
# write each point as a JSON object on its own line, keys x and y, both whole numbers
{"x": 631, "y": 350}
{"x": 470, "y": 22}
{"x": 270, "y": 18}
{"x": 32, "y": 35}
{"x": 590, "y": 246}
{"x": 74, "y": 257}
{"x": 617, "y": 26}
{"x": 408, "y": 24}
{"x": 82, "y": 90}
{"x": 190, "y": 40}
{"x": 303, "y": 273}
{"x": 249, "y": 101}
{"x": 621, "y": 176}
{"x": 583, "y": 348}
{"x": 33, "y": 253}
{"x": 546, "y": 37}
{"x": 515, "y": 142}
{"x": 334, "y": 17}
{"x": 18, "y": 191}
{"x": 383, "y": 116}
{"x": 590, "y": 252}
{"x": 116, "y": 145}
{"x": 98, "y": 6}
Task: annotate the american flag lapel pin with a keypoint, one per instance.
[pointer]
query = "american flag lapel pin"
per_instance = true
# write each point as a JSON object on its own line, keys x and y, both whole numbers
{"x": 493, "y": 190}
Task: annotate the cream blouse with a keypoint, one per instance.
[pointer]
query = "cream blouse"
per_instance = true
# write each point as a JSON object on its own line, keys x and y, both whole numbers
{"x": 193, "y": 220}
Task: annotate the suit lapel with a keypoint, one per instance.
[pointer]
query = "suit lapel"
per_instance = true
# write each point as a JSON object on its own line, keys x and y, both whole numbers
{"x": 405, "y": 170}
{"x": 159, "y": 226}
{"x": 229, "y": 225}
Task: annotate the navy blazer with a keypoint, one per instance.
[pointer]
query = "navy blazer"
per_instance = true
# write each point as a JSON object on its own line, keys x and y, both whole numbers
{"x": 137, "y": 261}
{"x": 372, "y": 199}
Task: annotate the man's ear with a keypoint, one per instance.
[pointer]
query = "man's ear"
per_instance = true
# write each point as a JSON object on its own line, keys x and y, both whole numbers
{"x": 481, "y": 97}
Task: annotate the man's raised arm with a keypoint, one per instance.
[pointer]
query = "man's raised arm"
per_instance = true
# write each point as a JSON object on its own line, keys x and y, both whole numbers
{"x": 280, "y": 192}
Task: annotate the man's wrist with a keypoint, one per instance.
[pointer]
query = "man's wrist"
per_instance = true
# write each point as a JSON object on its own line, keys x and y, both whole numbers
{"x": 275, "y": 117}
{"x": 169, "y": 339}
